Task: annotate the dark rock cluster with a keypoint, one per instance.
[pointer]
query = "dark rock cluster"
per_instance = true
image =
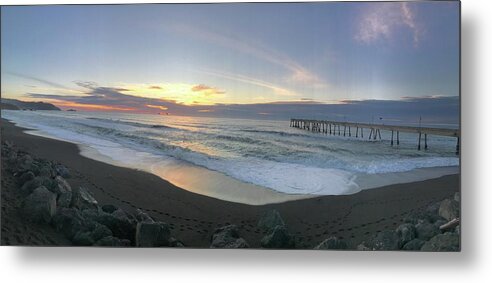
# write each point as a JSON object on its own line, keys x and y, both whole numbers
{"x": 49, "y": 198}
{"x": 435, "y": 229}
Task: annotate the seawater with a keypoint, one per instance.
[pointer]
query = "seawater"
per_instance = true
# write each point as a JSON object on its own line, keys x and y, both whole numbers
{"x": 266, "y": 154}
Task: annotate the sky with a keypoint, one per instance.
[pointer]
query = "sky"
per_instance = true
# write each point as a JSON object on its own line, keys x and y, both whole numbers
{"x": 203, "y": 58}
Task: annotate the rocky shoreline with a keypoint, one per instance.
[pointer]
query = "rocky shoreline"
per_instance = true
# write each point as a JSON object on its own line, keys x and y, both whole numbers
{"x": 49, "y": 199}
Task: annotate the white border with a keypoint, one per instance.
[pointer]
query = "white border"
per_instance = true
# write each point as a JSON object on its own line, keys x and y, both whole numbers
{"x": 473, "y": 264}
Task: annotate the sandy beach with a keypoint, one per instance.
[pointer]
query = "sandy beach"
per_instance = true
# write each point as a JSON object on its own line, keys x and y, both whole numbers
{"x": 194, "y": 217}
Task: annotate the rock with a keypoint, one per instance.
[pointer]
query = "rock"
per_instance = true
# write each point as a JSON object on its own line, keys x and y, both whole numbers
{"x": 31, "y": 185}
{"x": 413, "y": 245}
{"x": 118, "y": 222}
{"x": 11, "y": 156}
{"x": 46, "y": 171}
{"x": 227, "y": 237}
{"x": 439, "y": 223}
{"x": 447, "y": 242}
{"x": 363, "y": 247}
{"x": 83, "y": 239}
{"x": 332, "y": 243}
{"x": 23, "y": 163}
{"x": 426, "y": 230}
{"x": 100, "y": 231}
{"x": 433, "y": 208}
{"x": 457, "y": 197}
{"x": 40, "y": 206}
{"x": 89, "y": 238}
{"x": 83, "y": 199}
{"x": 449, "y": 209}
{"x": 109, "y": 208}
{"x": 385, "y": 241}
{"x": 111, "y": 241}
{"x": 175, "y": 243}
{"x": 25, "y": 177}
{"x": 270, "y": 220}
{"x": 64, "y": 192}
{"x": 279, "y": 238}
{"x": 70, "y": 221}
{"x": 155, "y": 234}
{"x": 143, "y": 217}
{"x": 62, "y": 171}
{"x": 406, "y": 232}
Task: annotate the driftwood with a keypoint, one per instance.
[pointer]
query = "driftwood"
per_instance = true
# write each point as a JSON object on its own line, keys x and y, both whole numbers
{"x": 450, "y": 225}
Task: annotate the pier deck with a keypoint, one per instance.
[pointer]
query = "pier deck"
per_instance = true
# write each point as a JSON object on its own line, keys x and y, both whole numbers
{"x": 335, "y": 128}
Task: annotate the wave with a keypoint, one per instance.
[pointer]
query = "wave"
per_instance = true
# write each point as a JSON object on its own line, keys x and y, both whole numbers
{"x": 134, "y": 124}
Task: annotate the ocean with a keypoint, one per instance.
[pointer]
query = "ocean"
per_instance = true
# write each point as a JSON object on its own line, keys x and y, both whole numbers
{"x": 243, "y": 155}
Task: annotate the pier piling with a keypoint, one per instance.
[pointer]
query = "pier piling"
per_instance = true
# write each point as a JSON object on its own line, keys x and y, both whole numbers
{"x": 332, "y": 127}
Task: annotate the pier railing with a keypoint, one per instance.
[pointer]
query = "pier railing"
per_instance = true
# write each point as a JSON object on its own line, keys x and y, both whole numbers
{"x": 345, "y": 128}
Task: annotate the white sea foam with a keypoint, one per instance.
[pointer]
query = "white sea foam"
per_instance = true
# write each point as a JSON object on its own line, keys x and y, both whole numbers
{"x": 264, "y": 154}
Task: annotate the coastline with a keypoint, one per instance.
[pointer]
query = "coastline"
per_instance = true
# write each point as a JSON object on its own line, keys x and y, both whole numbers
{"x": 194, "y": 216}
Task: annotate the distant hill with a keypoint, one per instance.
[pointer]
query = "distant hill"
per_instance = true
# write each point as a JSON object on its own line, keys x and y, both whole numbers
{"x": 8, "y": 106}
{"x": 25, "y": 105}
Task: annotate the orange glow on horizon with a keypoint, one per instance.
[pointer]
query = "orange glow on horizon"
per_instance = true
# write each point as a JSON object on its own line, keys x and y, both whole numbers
{"x": 89, "y": 107}
{"x": 157, "y": 107}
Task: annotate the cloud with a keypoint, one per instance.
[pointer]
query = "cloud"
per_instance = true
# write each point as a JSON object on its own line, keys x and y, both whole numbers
{"x": 155, "y": 87}
{"x": 157, "y": 107}
{"x": 381, "y": 21}
{"x": 297, "y": 72}
{"x": 207, "y": 90}
{"x": 104, "y": 98}
{"x": 248, "y": 80}
{"x": 45, "y": 82}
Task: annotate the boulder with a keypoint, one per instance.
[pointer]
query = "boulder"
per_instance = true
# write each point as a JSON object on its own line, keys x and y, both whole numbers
{"x": 152, "y": 234}
{"x": 332, "y": 243}
{"x": 64, "y": 192}
{"x": 406, "y": 232}
{"x": 143, "y": 217}
{"x": 449, "y": 209}
{"x": 11, "y": 156}
{"x": 89, "y": 238}
{"x": 108, "y": 208}
{"x": 175, "y": 243}
{"x": 70, "y": 221}
{"x": 439, "y": 223}
{"x": 46, "y": 171}
{"x": 23, "y": 163}
{"x": 413, "y": 245}
{"x": 39, "y": 181}
{"x": 227, "y": 237}
{"x": 384, "y": 241}
{"x": 40, "y": 206}
{"x": 270, "y": 220}
{"x": 447, "y": 242}
{"x": 83, "y": 239}
{"x": 25, "y": 177}
{"x": 61, "y": 170}
{"x": 279, "y": 238}
{"x": 100, "y": 231}
{"x": 457, "y": 197}
{"x": 426, "y": 230}
{"x": 83, "y": 199}
{"x": 111, "y": 241}
{"x": 118, "y": 222}
{"x": 362, "y": 247}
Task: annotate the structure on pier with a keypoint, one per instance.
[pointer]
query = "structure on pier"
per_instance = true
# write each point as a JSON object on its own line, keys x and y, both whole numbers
{"x": 335, "y": 128}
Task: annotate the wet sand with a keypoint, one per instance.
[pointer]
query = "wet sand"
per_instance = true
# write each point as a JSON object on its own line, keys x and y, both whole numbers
{"x": 193, "y": 217}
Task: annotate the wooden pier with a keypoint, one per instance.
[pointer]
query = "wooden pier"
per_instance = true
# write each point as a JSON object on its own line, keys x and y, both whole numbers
{"x": 346, "y": 129}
